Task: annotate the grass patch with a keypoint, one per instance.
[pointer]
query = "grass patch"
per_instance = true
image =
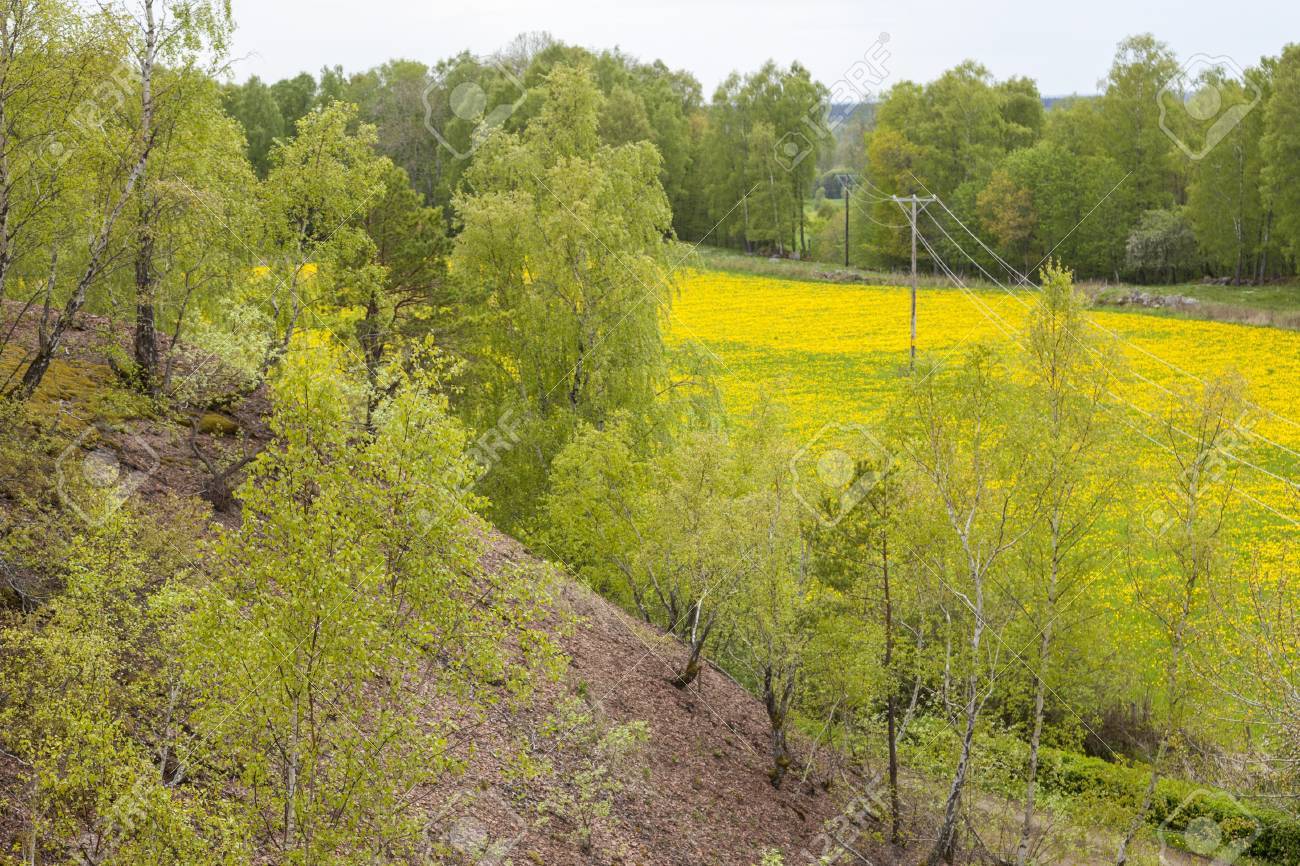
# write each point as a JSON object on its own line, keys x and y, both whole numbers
{"x": 1282, "y": 298}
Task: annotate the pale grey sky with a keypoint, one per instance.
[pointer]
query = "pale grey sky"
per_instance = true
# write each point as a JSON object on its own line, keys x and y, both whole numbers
{"x": 1066, "y": 46}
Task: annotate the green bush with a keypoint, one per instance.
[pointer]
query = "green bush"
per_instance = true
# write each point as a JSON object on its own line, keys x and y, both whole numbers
{"x": 1176, "y": 802}
{"x": 931, "y": 748}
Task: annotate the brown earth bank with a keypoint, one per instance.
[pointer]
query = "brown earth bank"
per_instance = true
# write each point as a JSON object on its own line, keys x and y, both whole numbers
{"x": 700, "y": 793}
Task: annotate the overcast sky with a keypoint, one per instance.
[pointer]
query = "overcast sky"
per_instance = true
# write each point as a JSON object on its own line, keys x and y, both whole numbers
{"x": 1065, "y": 46}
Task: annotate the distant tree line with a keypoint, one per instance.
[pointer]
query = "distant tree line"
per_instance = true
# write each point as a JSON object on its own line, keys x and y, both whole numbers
{"x": 1134, "y": 183}
{"x": 1131, "y": 183}
{"x": 724, "y": 164}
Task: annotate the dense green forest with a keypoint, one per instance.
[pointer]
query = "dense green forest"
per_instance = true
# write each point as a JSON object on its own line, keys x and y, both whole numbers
{"x": 1025, "y": 175}
{"x": 376, "y": 314}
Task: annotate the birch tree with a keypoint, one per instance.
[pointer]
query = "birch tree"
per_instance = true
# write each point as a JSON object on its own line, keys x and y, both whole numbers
{"x": 1201, "y": 433}
{"x": 180, "y": 35}
{"x": 344, "y": 610}
{"x": 1076, "y": 462}
{"x": 565, "y": 274}
{"x": 964, "y": 434}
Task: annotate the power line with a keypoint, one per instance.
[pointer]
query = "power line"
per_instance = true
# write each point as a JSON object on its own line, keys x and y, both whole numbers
{"x": 1022, "y": 278}
{"x": 1238, "y": 458}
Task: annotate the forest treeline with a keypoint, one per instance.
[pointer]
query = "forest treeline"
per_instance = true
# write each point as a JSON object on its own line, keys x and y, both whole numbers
{"x": 1170, "y": 191}
{"x": 442, "y": 321}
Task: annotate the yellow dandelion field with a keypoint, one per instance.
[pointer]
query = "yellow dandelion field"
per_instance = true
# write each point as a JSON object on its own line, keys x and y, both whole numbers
{"x": 836, "y": 352}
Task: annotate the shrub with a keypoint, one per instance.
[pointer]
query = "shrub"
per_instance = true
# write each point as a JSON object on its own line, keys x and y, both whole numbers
{"x": 1176, "y": 802}
{"x": 1098, "y": 787}
{"x": 606, "y": 756}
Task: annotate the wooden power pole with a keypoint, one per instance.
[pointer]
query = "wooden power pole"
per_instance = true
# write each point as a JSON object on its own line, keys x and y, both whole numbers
{"x": 844, "y": 194}
{"x": 913, "y": 202}
{"x": 846, "y": 188}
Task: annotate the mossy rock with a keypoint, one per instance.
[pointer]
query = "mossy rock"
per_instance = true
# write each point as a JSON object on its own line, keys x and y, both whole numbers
{"x": 216, "y": 424}
{"x": 77, "y": 393}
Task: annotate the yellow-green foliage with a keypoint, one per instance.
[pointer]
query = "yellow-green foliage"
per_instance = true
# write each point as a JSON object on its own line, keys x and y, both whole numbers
{"x": 602, "y": 757}
{"x": 356, "y": 563}
{"x": 34, "y": 531}
{"x": 87, "y": 689}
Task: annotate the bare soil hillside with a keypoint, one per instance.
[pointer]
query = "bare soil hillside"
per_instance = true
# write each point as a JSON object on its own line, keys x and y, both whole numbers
{"x": 700, "y": 793}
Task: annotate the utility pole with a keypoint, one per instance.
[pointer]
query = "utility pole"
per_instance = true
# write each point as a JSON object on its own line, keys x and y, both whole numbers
{"x": 844, "y": 193}
{"x": 846, "y": 181}
{"x": 913, "y": 201}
